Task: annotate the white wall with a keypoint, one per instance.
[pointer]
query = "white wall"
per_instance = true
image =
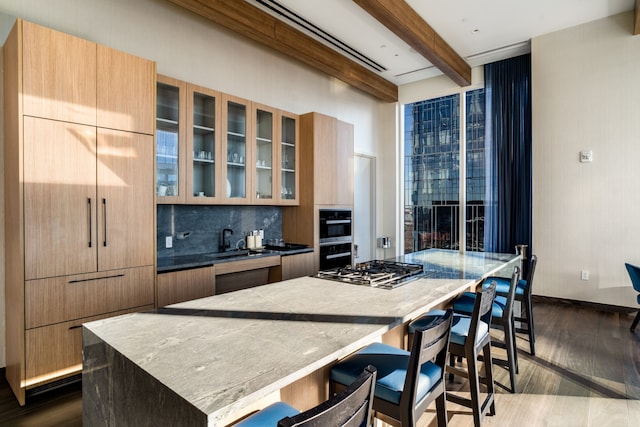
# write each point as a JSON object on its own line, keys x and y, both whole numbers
{"x": 191, "y": 49}
{"x": 586, "y": 92}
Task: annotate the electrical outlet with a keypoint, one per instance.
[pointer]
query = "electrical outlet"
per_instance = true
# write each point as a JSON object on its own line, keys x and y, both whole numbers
{"x": 585, "y": 275}
{"x": 168, "y": 242}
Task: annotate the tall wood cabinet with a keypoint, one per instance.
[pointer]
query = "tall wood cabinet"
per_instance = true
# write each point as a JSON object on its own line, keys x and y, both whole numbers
{"x": 326, "y": 176}
{"x": 79, "y": 204}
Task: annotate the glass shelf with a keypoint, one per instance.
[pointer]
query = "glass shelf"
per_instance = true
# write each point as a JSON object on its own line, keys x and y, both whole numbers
{"x": 204, "y": 145}
{"x": 167, "y": 140}
{"x": 236, "y": 131}
{"x": 288, "y": 153}
{"x": 264, "y": 155}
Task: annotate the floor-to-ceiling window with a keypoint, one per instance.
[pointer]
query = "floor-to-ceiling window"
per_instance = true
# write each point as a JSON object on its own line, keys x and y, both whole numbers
{"x": 432, "y": 151}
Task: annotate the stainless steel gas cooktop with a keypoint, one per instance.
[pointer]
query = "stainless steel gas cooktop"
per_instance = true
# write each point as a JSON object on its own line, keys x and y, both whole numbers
{"x": 376, "y": 273}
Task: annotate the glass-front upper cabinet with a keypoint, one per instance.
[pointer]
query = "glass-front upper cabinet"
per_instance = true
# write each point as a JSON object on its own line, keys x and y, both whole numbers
{"x": 235, "y": 149}
{"x": 204, "y": 146}
{"x": 170, "y": 150}
{"x": 289, "y": 155}
{"x": 264, "y": 151}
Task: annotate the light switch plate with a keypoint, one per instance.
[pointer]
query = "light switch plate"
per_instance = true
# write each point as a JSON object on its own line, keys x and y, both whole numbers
{"x": 168, "y": 242}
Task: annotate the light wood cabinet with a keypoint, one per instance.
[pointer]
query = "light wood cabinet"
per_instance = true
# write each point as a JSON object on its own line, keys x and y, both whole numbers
{"x": 332, "y": 142}
{"x": 79, "y": 206}
{"x": 60, "y": 183}
{"x": 70, "y": 79}
{"x": 263, "y": 185}
{"x": 204, "y": 151}
{"x": 171, "y": 137}
{"x": 293, "y": 266}
{"x": 185, "y": 285}
{"x": 58, "y": 74}
{"x": 125, "y": 208}
{"x": 288, "y": 181}
{"x": 214, "y": 148}
{"x": 64, "y": 298}
{"x": 326, "y": 177}
{"x": 236, "y": 151}
{"x": 297, "y": 265}
{"x": 80, "y": 191}
{"x": 55, "y": 351}
{"x": 126, "y": 87}
{"x": 276, "y": 154}
{"x": 343, "y": 165}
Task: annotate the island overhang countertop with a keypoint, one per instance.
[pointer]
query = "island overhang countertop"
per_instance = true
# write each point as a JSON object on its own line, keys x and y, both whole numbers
{"x": 202, "y": 361}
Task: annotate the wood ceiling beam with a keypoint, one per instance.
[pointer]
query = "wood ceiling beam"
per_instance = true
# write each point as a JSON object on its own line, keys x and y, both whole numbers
{"x": 636, "y": 19}
{"x": 259, "y": 26}
{"x": 407, "y": 24}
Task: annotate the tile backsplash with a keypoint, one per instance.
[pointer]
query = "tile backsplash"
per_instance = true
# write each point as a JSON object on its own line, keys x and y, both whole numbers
{"x": 196, "y": 229}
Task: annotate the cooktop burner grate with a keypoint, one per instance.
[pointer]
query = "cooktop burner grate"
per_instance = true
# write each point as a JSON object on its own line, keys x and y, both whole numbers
{"x": 376, "y": 273}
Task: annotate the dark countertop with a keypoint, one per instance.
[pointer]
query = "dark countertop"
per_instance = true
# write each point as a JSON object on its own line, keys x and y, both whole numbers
{"x": 184, "y": 262}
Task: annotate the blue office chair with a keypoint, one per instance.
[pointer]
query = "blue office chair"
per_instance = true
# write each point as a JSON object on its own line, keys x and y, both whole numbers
{"x": 634, "y": 274}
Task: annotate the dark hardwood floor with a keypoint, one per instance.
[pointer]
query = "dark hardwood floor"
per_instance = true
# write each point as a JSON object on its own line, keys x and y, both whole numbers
{"x": 586, "y": 372}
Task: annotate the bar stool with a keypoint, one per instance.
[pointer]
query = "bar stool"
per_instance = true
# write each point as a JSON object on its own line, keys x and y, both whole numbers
{"x": 523, "y": 295}
{"x": 407, "y": 382}
{"x": 470, "y": 337}
{"x": 501, "y": 318}
{"x": 350, "y": 408}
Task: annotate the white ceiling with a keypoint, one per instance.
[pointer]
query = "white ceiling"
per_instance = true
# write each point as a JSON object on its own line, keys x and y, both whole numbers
{"x": 481, "y": 31}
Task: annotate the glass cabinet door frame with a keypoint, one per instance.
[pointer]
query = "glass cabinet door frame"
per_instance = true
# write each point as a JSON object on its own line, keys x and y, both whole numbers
{"x": 271, "y": 164}
{"x": 199, "y": 156}
{"x": 177, "y": 195}
{"x": 229, "y": 164}
{"x": 283, "y": 190}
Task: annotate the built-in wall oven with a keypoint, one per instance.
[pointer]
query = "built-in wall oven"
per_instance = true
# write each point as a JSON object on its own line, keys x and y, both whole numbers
{"x": 336, "y": 240}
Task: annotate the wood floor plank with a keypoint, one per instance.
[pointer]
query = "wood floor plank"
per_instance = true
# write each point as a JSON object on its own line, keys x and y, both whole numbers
{"x": 608, "y": 412}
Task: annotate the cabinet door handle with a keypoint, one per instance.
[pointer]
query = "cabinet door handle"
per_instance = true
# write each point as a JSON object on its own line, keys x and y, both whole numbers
{"x": 104, "y": 222}
{"x": 96, "y": 278}
{"x": 90, "y": 218}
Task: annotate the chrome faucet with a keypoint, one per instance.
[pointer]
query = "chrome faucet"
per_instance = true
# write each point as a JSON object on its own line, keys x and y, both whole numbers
{"x": 225, "y": 239}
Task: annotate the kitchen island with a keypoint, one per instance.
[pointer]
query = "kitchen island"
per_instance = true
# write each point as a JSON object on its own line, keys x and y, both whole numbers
{"x": 210, "y": 361}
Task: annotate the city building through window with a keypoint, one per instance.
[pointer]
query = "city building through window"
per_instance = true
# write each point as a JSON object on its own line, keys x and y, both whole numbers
{"x": 432, "y": 164}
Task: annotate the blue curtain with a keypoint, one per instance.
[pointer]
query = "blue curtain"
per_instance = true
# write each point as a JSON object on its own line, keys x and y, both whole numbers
{"x": 508, "y": 137}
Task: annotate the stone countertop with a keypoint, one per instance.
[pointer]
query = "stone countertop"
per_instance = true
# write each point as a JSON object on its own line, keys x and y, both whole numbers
{"x": 183, "y": 262}
{"x": 442, "y": 263}
{"x": 225, "y": 352}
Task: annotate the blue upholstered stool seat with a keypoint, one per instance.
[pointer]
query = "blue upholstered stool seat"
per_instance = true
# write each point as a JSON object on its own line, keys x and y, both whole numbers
{"x": 270, "y": 415}
{"x": 502, "y": 285}
{"x": 459, "y": 328}
{"x": 464, "y": 304}
{"x": 391, "y": 363}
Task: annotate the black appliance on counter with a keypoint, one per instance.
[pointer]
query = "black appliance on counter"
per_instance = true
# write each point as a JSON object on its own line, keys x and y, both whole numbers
{"x": 336, "y": 240}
